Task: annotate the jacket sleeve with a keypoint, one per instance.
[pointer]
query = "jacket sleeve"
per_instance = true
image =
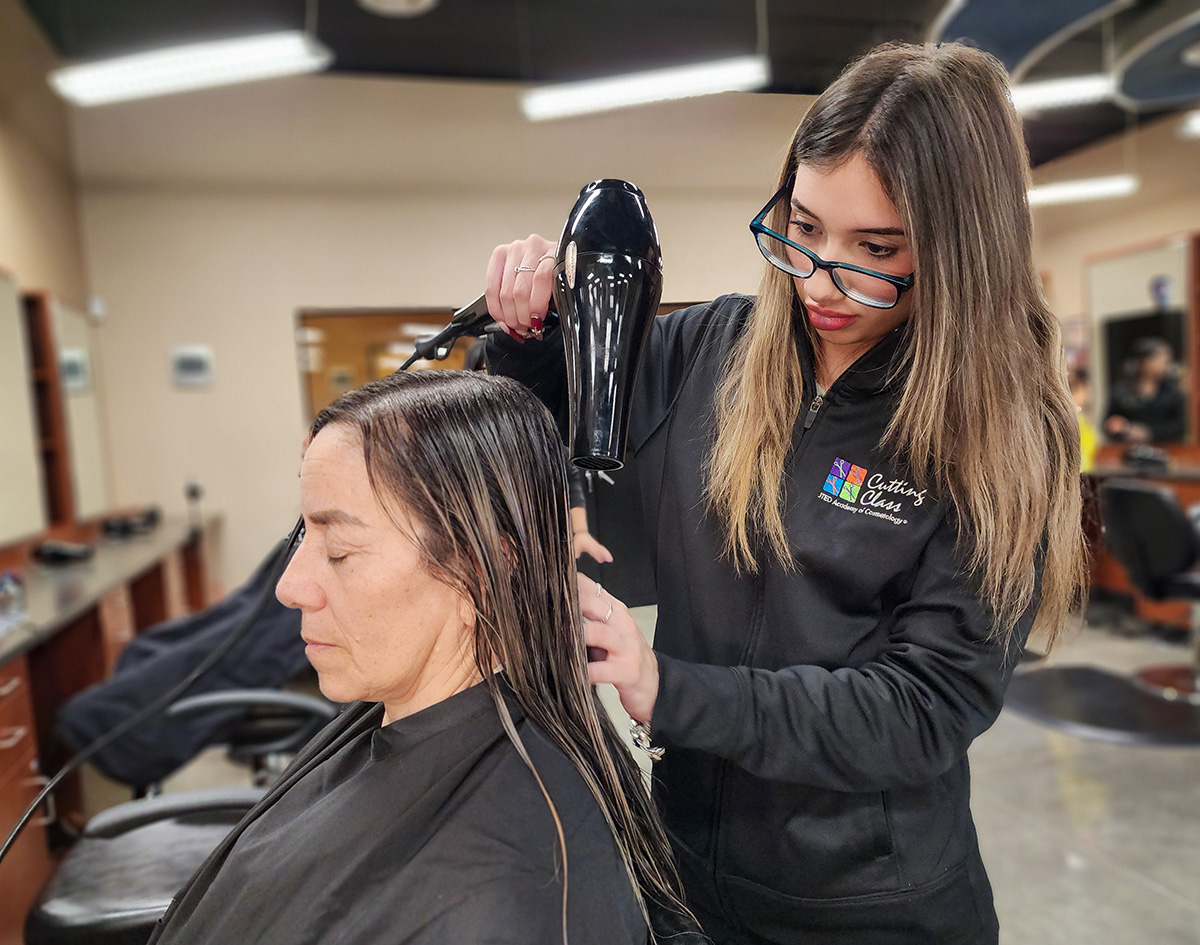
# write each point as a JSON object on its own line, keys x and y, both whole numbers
{"x": 539, "y": 365}
{"x": 902, "y": 719}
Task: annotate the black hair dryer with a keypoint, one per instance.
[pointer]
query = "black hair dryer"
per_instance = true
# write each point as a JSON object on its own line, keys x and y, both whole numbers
{"x": 607, "y": 283}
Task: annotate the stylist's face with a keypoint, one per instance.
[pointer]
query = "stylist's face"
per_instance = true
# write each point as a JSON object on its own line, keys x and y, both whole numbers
{"x": 378, "y": 627}
{"x": 843, "y": 215}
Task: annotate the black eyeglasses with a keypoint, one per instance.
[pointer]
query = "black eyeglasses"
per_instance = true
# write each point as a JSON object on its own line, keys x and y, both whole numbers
{"x": 876, "y": 289}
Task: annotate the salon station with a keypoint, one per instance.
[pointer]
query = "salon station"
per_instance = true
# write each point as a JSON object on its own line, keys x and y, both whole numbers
{"x": 188, "y": 276}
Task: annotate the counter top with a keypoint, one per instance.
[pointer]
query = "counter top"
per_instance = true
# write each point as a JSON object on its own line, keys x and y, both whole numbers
{"x": 54, "y": 596}
{"x": 1175, "y": 472}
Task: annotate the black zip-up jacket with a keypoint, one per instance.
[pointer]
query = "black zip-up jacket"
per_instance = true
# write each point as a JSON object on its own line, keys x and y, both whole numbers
{"x": 816, "y": 721}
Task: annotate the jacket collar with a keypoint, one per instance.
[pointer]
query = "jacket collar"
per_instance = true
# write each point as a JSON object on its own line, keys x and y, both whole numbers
{"x": 873, "y": 372}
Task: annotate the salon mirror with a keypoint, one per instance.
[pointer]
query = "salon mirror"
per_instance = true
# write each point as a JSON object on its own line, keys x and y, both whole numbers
{"x": 22, "y": 505}
{"x": 1140, "y": 311}
{"x": 76, "y": 349}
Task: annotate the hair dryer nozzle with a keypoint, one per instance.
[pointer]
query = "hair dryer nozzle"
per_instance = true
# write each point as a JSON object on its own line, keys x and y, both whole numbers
{"x": 607, "y": 284}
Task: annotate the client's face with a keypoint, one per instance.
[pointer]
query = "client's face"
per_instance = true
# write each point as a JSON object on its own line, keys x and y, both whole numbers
{"x": 378, "y": 627}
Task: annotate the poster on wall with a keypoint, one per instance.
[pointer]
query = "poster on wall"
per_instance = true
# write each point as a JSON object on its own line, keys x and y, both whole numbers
{"x": 75, "y": 370}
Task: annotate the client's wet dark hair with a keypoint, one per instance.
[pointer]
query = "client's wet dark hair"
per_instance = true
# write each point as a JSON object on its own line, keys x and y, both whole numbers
{"x": 477, "y": 465}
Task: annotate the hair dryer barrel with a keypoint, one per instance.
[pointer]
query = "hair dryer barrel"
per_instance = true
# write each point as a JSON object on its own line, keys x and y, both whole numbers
{"x": 607, "y": 284}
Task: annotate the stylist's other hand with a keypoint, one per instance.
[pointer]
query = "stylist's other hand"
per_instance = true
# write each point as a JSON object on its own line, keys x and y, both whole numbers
{"x": 586, "y": 544}
{"x": 628, "y": 662}
{"x": 519, "y": 299}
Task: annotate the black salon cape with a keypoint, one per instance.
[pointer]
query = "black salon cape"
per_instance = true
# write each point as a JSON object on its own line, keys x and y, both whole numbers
{"x": 428, "y": 831}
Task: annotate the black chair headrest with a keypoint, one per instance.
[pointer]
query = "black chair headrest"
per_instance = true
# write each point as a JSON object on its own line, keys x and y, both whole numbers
{"x": 1148, "y": 532}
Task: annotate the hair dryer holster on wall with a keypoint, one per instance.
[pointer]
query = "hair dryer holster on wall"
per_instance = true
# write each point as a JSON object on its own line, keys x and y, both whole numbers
{"x": 607, "y": 283}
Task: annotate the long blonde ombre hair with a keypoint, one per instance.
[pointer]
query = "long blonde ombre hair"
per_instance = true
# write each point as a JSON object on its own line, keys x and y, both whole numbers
{"x": 985, "y": 418}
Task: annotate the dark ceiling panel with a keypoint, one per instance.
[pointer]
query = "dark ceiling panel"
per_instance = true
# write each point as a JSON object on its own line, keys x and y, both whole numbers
{"x": 1012, "y": 30}
{"x": 94, "y": 29}
{"x": 1167, "y": 70}
{"x": 1053, "y": 133}
{"x": 809, "y": 41}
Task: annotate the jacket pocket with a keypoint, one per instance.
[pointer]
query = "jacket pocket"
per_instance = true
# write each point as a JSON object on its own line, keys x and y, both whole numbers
{"x": 942, "y": 912}
{"x": 806, "y": 842}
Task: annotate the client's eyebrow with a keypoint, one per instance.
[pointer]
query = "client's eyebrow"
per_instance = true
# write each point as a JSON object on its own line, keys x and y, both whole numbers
{"x": 334, "y": 517}
{"x": 873, "y": 230}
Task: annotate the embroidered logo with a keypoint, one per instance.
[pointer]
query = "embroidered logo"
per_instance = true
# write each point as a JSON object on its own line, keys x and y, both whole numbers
{"x": 853, "y": 489}
{"x": 845, "y": 480}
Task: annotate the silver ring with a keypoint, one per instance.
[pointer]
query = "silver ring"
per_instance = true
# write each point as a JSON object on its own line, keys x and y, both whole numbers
{"x": 525, "y": 269}
{"x": 599, "y": 589}
{"x": 547, "y": 256}
{"x": 609, "y": 614}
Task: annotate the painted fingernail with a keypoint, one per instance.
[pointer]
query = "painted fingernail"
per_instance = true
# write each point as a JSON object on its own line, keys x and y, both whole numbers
{"x": 513, "y": 335}
{"x": 535, "y": 322}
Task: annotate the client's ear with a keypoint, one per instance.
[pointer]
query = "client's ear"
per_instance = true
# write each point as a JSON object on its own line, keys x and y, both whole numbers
{"x": 466, "y": 611}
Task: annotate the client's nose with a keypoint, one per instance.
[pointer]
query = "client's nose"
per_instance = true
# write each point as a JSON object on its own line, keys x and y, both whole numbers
{"x": 296, "y": 588}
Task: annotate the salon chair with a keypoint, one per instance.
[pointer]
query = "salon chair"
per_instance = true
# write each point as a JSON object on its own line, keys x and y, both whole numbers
{"x": 1157, "y": 543}
{"x": 266, "y": 727}
{"x": 121, "y": 874}
{"x": 129, "y": 861}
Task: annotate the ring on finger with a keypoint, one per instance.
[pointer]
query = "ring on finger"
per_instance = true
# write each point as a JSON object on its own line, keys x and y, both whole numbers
{"x": 599, "y": 589}
{"x": 517, "y": 269}
{"x": 610, "y": 610}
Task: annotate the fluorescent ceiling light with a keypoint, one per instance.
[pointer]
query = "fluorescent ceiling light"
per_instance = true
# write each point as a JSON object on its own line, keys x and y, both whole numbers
{"x": 1091, "y": 188}
{"x": 1061, "y": 93}
{"x": 192, "y": 66}
{"x": 742, "y": 74}
{"x": 1191, "y": 125}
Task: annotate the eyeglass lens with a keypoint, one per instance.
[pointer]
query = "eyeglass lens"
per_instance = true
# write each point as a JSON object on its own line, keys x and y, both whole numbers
{"x": 857, "y": 285}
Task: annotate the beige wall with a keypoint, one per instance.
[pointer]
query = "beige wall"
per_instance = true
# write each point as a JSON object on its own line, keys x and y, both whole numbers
{"x": 39, "y": 223}
{"x": 231, "y": 269}
{"x": 1167, "y": 202}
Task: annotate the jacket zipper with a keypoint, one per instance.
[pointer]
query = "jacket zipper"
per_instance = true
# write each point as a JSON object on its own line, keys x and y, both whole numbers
{"x": 817, "y": 401}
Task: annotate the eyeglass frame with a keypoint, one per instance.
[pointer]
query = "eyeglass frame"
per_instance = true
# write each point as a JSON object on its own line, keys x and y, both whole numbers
{"x": 902, "y": 283}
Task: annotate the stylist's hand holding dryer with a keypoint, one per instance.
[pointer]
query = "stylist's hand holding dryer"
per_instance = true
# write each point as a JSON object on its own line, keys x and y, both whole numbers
{"x": 862, "y": 493}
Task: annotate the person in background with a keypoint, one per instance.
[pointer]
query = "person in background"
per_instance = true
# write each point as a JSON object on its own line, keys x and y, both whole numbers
{"x": 1081, "y": 394}
{"x": 862, "y": 490}
{"x": 1147, "y": 404}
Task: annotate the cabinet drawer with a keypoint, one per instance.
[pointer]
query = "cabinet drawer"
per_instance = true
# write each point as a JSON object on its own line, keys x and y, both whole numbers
{"x": 16, "y": 715}
{"x": 28, "y": 866}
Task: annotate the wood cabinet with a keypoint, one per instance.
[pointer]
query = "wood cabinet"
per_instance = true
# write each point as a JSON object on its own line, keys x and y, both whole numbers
{"x": 79, "y": 620}
{"x": 28, "y": 865}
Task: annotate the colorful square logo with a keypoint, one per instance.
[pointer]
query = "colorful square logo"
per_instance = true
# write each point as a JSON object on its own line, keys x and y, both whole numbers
{"x": 845, "y": 480}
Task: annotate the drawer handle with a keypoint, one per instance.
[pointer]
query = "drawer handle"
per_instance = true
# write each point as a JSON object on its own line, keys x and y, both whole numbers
{"x": 51, "y": 815}
{"x": 17, "y": 734}
{"x": 10, "y": 687}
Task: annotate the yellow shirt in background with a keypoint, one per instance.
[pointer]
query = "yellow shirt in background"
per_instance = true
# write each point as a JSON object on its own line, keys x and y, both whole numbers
{"x": 1087, "y": 443}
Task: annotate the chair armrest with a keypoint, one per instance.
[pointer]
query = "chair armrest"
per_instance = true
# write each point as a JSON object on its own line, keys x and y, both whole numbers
{"x": 255, "y": 698}
{"x": 133, "y": 814}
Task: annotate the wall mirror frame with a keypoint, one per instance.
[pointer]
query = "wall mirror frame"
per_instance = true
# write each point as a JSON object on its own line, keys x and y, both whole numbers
{"x": 66, "y": 394}
{"x": 22, "y": 492}
{"x": 1147, "y": 290}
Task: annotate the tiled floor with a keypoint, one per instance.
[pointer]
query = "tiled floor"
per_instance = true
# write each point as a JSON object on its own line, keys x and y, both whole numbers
{"x": 1086, "y": 841}
{"x": 1090, "y": 841}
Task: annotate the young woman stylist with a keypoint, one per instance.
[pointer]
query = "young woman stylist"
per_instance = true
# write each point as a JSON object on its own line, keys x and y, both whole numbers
{"x": 863, "y": 491}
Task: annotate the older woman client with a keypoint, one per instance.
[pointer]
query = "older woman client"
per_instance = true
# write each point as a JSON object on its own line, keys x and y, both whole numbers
{"x": 474, "y": 792}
